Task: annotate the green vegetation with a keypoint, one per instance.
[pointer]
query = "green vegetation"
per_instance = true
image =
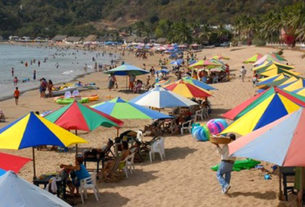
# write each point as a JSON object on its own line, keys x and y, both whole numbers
{"x": 182, "y": 21}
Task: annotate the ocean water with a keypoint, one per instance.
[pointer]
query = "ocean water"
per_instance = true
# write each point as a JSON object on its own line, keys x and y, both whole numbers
{"x": 56, "y": 64}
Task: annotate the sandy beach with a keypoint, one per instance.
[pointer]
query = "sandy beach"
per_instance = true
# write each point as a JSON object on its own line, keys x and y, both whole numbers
{"x": 184, "y": 178}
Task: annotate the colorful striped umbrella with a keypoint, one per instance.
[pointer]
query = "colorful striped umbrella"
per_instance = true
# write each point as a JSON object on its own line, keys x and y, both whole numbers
{"x": 267, "y": 57}
{"x": 264, "y": 109}
{"x": 277, "y": 56}
{"x": 276, "y": 71}
{"x": 79, "y": 117}
{"x": 253, "y": 59}
{"x": 274, "y": 81}
{"x": 296, "y": 85}
{"x": 219, "y": 57}
{"x": 198, "y": 83}
{"x": 33, "y": 130}
{"x": 205, "y": 63}
{"x": 11, "y": 162}
{"x": 300, "y": 91}
{"x": 281, "y": 142}
{"x": 121, "y": 109}
{"x": 159, "y": 97}
{"x": 270, "y": 65}
{"x": 127, "y": 69}
{"x": 187, "y": 90}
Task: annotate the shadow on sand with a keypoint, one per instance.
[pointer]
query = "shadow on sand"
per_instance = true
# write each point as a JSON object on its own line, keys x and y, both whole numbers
{"x": 269, "y": 195}
{"x": 107, "y": 199}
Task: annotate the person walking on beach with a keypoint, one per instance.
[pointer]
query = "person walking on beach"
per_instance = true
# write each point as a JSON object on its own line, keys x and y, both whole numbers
{"x": 225, "y": 167}
{"x": 15, "y": 80}
{"x": 243, "y": 72}
{"x": 13, "y": 72}
{"x": 16, "y": 95}
{"x": 34, "y": 75}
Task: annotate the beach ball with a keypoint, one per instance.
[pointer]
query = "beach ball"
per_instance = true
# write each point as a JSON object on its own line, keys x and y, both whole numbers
{"x": 216, "y": 125}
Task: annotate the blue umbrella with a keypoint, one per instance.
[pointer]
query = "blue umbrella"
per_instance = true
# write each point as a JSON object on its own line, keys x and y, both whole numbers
{"x": 127, "y": 69}
{"x": 159, "y": 97}
{"x": 177, "y": 62}
{"x": 165, "y": 71}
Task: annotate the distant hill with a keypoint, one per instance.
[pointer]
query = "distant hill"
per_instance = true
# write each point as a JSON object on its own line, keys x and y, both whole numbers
{"x": 82, "y": 17}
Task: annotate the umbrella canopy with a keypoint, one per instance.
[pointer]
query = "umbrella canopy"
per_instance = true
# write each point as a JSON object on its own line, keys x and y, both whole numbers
{"x": 79, "y": 117}
{"x": 280, "y": 142}
{"x": 126, "y": 69}
{"x": 205, "y": 63}
{"x": 187, "y": 90}
{"x": 33, "y": 130}
{"x": 177, "y": 62}
{"x": 159, "y": 97}
{"x": 273, "y": 81}
{"x": 277, "y": 56}
{"x": 254, "y": 58}
{"x": 121, "y": 109}
{"x": 16, "y": 191}
{"x": 219, "y": 57}
{"x": 277, "y": 70}
{"x": 296, "y": 85}
{"x": 270, "y": 66}
{"x": 267, "y": 57}
{"x": 269, "y": 107}
{"x": 288, "y": 82}
{"x": 11, "y": 162}
{"x": 198, "y": 83}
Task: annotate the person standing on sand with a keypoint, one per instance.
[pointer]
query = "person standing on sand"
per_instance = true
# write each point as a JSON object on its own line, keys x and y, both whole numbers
{"x": 13, "y": 72}
{"x": 16, "y": 95}
{"x": 225, "y": 167}
{"x": 34, "y": 75}
{"x": 15, "y": 81}
{"x": 243, "y": 72}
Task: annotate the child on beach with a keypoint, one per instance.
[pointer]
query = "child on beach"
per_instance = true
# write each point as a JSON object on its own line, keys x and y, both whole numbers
{"x": 16, "y": 95}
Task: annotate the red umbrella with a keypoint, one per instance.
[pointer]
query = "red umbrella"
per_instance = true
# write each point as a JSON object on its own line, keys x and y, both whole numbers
{"x": 12, "y": 162}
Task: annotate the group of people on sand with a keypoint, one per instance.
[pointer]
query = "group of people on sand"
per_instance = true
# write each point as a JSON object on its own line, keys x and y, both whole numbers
{"x": 44, "y": 86}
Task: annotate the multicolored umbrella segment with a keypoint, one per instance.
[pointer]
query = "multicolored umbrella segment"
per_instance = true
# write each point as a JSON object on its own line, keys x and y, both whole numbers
{"x": 270, "y": 65}
{"x": 219, "y": 57}
{"x": 267, "y": 57}
{"x": 76, "y": 116}
{"x": 300, "y": 91}
{"x": 198, "y": 83}
{"x": 33, "y": 130}
{"x": 127, "y": 69}
{"x": 277, "y": 56}
{"x": 121, "y": 109}
{"x": 16, "y": 191}
{"x": 253, "y": 59}
{"x": 296, "y": 85}
{"x": 11, "y": 162}
{"x": 159, "y": 97}
{"x": 187, "y": 90}
{"x": 288, "y": 82}
{"x": 281, "y": 142}
{"x": 265, "y": 110}
{"x": 276, "y": 71}
{"x": 273, "y": 81}
{"x": 205, "y": 63}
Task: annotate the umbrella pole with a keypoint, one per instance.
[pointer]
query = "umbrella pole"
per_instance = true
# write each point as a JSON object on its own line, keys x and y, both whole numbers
{"x": 76, "y": 146}
{"x": 34, "y": 164}
{"x": 126, "y": 84}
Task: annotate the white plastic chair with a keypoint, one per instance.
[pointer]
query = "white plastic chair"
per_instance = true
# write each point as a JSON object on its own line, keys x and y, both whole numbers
{"x": 75, "y": 93}
{"x": 140, "y": 135}
{"x": 129, "y": 164}
{"x": 199, "y": 115}
{"x": 88, "y": 183}
{"x": 157, "y": 147}
{"x": 68, "y": 94}
{"x": 187, "y": 126}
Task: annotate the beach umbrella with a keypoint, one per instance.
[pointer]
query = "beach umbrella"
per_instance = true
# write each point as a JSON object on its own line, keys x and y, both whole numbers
{"x": 295, "y": 85}
{"x": 280, "y": 142}
{"x": 198, "y": 83}
{"x": 276, "y": 71}
{"x": 267, "y": 57}
{"x": 159, "y": 97}
{"x": 164, "y": 71}
{"x": 76, "y": 116}
{"x": 274, "y": 82}
{"x": 253, "y": 59}
{"x": 205, "y": 63}
{"x": 11, "y": 162}
{"x": 271, "y": 79}
{"x": 177, "y": 62}
{"x": 270, "y": 65}
{"x": 300, "y": 91}
{"x": 126, "y": 69}
{"x": 277, "y": 56}
{"x": 15, "y": 191}
{"x": 219, "y": 57}
{"x": 33, "y": 130}
{"x": 288, "y": 82}
{"x": 270, "y": 106}
{"x": 187, "y": 90}
{"x": 122, "y": 109}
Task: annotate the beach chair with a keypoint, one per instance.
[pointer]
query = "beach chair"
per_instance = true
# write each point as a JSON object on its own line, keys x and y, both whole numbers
{"x": 186, "y": 126}
{"x": 157, "y": 147}
{"x": 199, "y": 115}
{"x": 129, "y": 166}
{"x": 68, "y": 94}
{"x": 88, "y": 183}
{"x": 75, "y": 93}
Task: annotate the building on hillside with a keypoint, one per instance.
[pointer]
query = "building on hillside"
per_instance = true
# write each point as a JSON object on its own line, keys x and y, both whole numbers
{"x": 59, "y": 38}
{"x": 73, "y": 40}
